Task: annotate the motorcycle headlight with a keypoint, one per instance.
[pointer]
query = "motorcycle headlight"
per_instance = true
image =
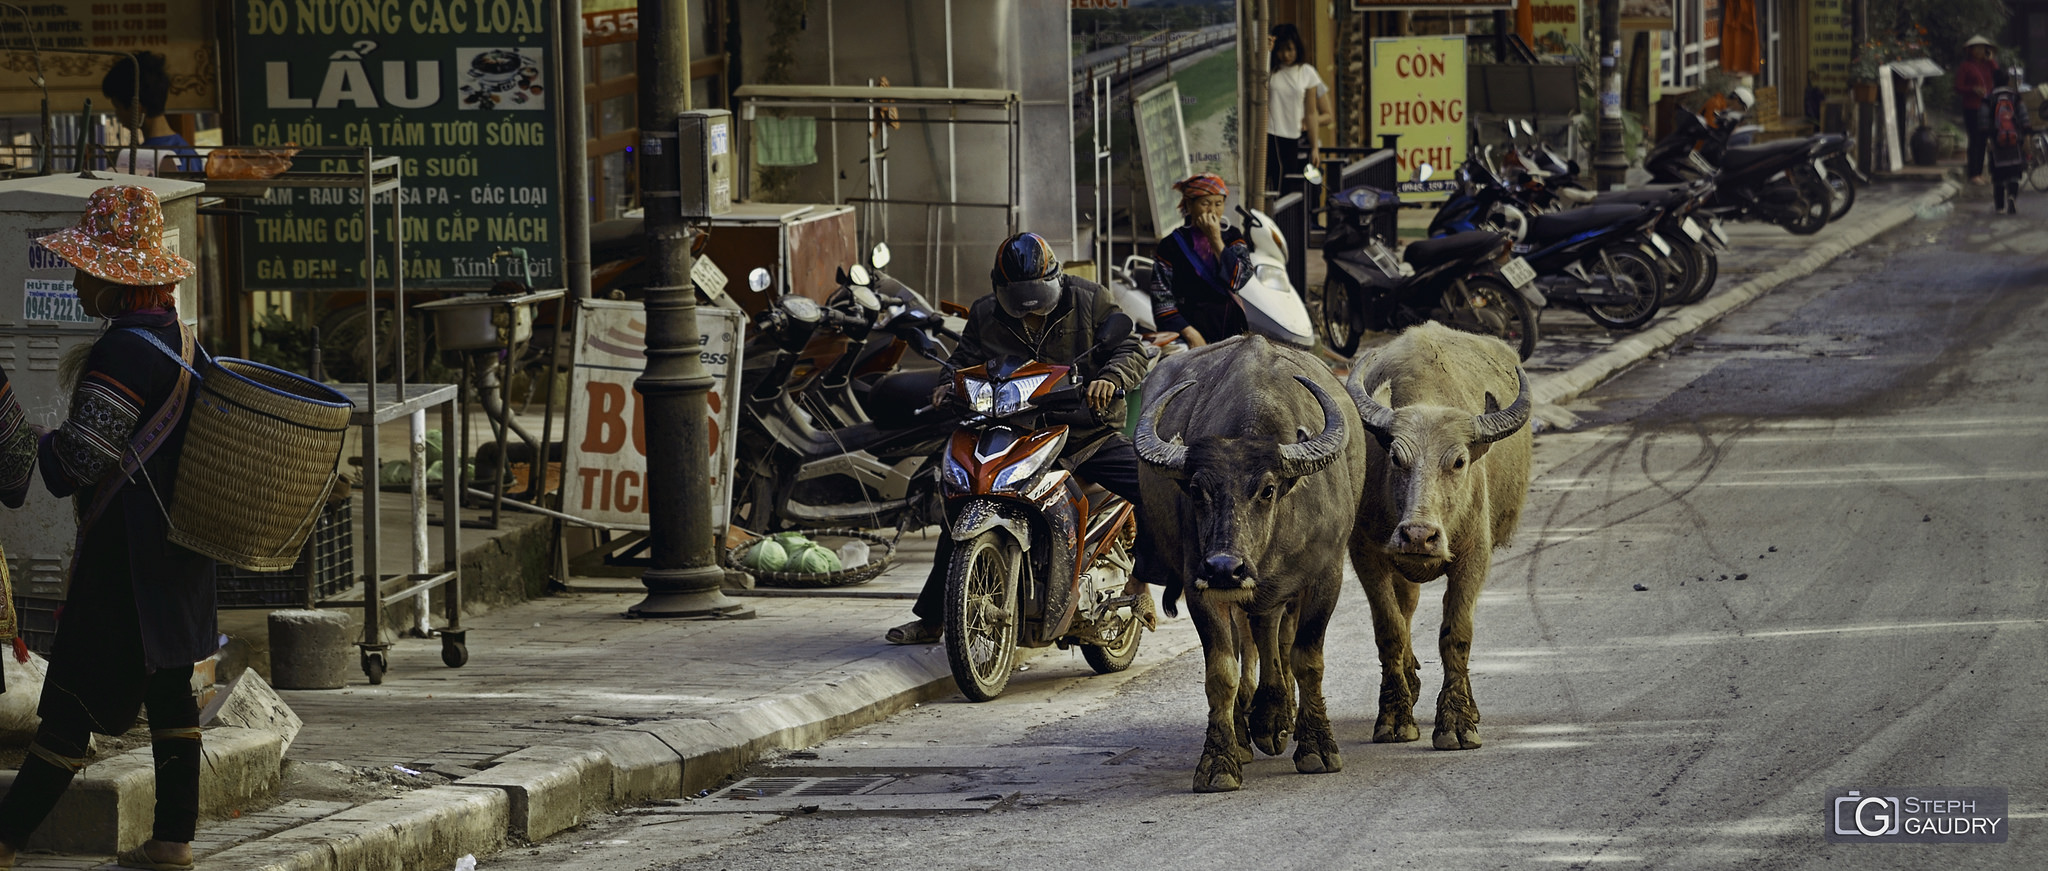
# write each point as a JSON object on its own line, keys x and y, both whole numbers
{"x": 955, "y": 476}
{"x": 1015, "y": 396}
{"x": 980, "y": 396}
{"x": 1027, "y": 468}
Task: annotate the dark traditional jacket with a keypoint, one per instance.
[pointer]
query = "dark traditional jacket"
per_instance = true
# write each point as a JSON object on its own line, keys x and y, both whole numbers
{"x": 17, "y": 449}
{"x": 1189, "y": 290}
{"x": 124, "y": 559}
{"x": 1069, "y": 333}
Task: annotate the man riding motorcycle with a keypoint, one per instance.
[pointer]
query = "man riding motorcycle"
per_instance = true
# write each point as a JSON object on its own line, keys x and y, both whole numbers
{"x": 1037, "y": 313}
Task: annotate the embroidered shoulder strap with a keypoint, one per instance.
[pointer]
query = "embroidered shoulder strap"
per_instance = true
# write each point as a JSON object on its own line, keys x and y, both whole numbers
{"x": 151, "y": 434}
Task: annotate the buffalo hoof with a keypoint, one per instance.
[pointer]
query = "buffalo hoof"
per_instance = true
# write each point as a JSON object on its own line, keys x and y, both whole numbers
{"x": 1271, "y": 722}
{"x": 1462, "y": 739}
{"x": 1395, "y": 730}
{"x": 1322, "y": 758}
{"x": 1241, "y": 752}
{"x": 1218, "y": 774}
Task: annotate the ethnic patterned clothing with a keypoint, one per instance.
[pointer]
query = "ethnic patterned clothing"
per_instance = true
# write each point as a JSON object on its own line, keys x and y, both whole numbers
{"x": 1192, "y": 283}
{"x": 120, "y": 239}
{"x": 126, "y": 575}
{"x": 17, "y": 448}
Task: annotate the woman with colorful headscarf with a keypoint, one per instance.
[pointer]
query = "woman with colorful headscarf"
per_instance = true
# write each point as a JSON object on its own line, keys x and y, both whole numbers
{"x": 140, "y": 610}
{"x": 1199, "y": 266}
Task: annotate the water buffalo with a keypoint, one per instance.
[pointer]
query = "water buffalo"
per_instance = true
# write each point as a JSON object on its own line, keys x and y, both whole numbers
{"x": 1449, "y": 470}
{"x": 1249, "y": 500}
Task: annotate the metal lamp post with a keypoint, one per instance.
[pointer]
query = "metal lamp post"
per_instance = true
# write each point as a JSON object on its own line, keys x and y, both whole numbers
{"x": 685, "y": 579}
{"x": 1610, "y": 166}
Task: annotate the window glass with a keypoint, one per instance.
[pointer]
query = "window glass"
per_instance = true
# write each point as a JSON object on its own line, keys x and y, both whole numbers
{"x": 614, "y": 60}
{"x": 615, "y": 115}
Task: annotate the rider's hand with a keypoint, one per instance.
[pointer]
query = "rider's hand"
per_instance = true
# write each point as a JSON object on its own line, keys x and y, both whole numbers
{"x": 1100, "y": 394}
{"x": 1193, "y": 337}
{"x": 939, "y": 393}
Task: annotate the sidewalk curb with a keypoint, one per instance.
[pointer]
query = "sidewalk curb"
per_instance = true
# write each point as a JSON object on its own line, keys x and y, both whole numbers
{"x": 1569, "y": 384}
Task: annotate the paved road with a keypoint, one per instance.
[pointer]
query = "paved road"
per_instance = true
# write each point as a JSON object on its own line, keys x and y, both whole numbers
{"x": 1832, "y": 501}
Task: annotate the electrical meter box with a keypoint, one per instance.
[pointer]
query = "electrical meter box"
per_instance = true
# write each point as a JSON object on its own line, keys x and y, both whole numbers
{"x": 40, "y": 322}
{"x": 704, "y": 145}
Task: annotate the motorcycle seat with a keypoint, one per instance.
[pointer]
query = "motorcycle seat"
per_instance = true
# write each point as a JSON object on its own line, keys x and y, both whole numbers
{"x": 1652, "y": 195}
{"x": 894, "y": 400}
{"x": 1544, "y": 229}
{"x": 1740, "y": 156}
{"x": 1457, "y": 246}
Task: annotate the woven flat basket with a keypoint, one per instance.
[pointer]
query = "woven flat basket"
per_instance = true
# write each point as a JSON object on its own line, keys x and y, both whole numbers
{"x": 261, "y": 451}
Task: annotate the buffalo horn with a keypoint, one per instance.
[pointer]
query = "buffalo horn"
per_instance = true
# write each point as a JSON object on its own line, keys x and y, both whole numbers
{"x": 1496, "y": 425}
{"x": 1309, "y": 457}
{"x": 1169, "y": 457}
{"x": 1378, "y": 419}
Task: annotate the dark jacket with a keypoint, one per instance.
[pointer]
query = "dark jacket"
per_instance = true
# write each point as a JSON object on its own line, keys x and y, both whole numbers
{"x": 1971, "y": 75}
{"x": 1187, "y": 293}
{"x": 1069, "y": 333}
{"x": 127, "y": 580}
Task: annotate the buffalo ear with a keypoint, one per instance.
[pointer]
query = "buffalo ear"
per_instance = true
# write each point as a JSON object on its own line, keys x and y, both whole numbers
{"x": 1492, "y": 404}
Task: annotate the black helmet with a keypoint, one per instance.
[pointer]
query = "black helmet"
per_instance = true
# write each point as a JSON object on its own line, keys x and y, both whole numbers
{"x": 1026, "y": 276}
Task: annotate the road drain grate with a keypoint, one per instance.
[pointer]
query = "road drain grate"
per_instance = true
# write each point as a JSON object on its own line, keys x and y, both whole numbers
{"x": 791, "y": 787}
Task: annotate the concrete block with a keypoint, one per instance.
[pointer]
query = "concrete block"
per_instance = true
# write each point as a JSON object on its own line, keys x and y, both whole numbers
{"x": 642, "y": 767}
{"x": 108, "y": 808}
{"x": 709, "y": 750}
{"x": 550, "y": 787}
{"x": 426, "y": 829}
{"x": 242, "y": 767}
{"x": 311, "y": 650}
{"x": 111, "y": 805}
{"x": 249, "y": 703}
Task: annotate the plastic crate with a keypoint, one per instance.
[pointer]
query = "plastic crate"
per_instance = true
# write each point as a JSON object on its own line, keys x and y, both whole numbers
{"x": 326, "y": 566}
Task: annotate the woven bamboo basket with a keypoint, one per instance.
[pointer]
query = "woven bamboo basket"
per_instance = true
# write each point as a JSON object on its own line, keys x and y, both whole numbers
{"x": 261, "y": 451}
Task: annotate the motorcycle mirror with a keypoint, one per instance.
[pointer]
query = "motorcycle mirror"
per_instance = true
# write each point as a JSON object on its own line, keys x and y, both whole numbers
{"x": 1113, "y": 329}
{"x": 1249, "y": 221}
{"x": 859, "y": 275}
{"x": 759, "y": 279}
{"x": 866, "y": 299}
{"x": 1528, "y": 129}
{"x": 1423, "y": 172}
{"x": 881, "y": 255}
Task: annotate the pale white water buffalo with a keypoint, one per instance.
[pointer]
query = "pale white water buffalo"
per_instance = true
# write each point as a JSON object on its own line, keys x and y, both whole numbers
{"x": 1449, "y": 470}
{"x": 1251, "y": 481}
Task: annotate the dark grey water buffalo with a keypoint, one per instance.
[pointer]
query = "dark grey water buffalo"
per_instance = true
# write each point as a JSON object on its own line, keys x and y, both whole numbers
{"x": 1446, "y": 481}
{"x": 1251, "y": 481}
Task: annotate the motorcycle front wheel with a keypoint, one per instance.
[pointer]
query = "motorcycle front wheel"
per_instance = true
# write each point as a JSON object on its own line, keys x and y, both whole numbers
{"x": 981, "y": 615}
{"x": 1706, "y": 268}
{"x": 1492, "y": 308}
{"x": 1649, "y": 287}
{"x": 1340, "y": 316}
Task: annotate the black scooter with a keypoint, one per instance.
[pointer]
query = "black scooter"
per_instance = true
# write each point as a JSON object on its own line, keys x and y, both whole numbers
{"x": 1466, "y": 281}
{"x": 1776, "y": 182}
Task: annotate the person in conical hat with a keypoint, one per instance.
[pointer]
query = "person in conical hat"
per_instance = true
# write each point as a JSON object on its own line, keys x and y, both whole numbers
{"x": 140, "y": 610}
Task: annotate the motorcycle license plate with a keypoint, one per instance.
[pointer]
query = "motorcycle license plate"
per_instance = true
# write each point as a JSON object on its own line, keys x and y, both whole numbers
{"x": 1518, "y": 272}
{"x": 1720, "y": 235}
{"x": 1692, "y": 229}
{"x": 1663, "y": 247}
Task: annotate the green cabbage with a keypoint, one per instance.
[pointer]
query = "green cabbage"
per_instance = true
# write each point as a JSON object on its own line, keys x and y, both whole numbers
{"x": 765, "y": 556}
{"x": 812, "y": 559}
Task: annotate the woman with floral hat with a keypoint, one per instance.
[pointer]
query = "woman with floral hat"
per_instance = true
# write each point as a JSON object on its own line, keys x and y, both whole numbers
{"x": 1199, "y": 265}
{"x": 140, "y": 610}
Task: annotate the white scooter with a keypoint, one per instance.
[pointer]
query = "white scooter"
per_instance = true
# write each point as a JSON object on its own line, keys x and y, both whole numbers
{"x": 1272, "y": 306}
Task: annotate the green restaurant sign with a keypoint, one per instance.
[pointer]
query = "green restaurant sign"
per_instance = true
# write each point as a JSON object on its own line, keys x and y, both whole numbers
{"x": 460, "y": 90}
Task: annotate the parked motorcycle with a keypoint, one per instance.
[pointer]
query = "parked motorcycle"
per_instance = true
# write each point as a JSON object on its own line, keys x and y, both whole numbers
{"x": 798, "y": 468}
{"x": 1467, "y": 280}
{"x": 1599, "y": 259}
{"x": 1837, "y": 163}
{"x": 1040, "y": 559}
{"x": 1781, "y": 182}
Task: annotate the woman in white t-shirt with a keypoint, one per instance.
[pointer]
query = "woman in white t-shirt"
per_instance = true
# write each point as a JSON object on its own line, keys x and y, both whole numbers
{"x": 1297, "y": 105}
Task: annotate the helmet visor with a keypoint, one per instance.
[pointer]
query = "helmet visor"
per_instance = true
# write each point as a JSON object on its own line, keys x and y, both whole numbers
{"x": 1036, "y": 296}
